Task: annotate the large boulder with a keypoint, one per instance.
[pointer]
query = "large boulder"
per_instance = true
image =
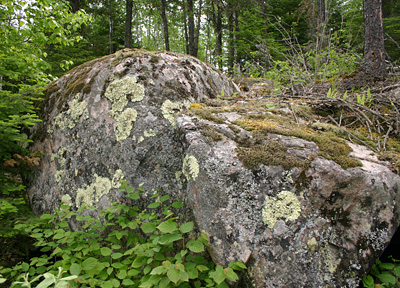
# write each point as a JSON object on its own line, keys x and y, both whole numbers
{"x": 296, "y": 203}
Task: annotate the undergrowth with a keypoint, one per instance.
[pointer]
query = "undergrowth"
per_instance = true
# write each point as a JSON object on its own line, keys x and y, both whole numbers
{"x": 122, "y": 247}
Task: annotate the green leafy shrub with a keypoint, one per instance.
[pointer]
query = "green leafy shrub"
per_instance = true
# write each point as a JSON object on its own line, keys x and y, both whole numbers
{"x": 383, "y": 275}
{"x": 123, "y": 247}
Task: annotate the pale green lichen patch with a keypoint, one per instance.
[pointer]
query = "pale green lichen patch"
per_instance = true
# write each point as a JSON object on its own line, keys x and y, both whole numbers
{"x": 60, "y": 174}
{"x": 76, "y": 108}
{"x": 69, "y": 118}
{"x": 190, "y": 167}
{"x": 60, "y": 156}
{"x": 121, "y": 91}
{"x": 102, "y": 186}
{"x": 170, "y": 109}
{"x": 285, "y": 206}
{"x": 125, "y": 123}
{"x": 118, "y": 177}
{"x": 94, "y": 192}
{"x": 66, "y": 199}
{"x": 149, "y": 133}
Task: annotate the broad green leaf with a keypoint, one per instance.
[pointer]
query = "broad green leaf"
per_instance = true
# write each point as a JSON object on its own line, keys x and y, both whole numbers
{"x": 368, "y": 282}
{"x": 237, "y": 265}
{"x": 186, "y": 227}
{"x": 107, "y": 284}
{"x": 75, "y": 269}
{"x": 105, "y": 251}
{"x": 116, "y": 283}
{"x": 230, "y": 274}
{"x": 177, "y": 204}
{"x": 387, "y": 278}
{"x": 89, "y": 263}
{"x": 47, "y": 282}
{"x": 116, "y": 255}
{"x": 173, "y": 275}
{"x": 127, "y": 282}
{"x": 165, "y": 198}
{"x": 164, "y": 283}
{"x": 386, "y": 266}
{"x": 154, "y": 205}
{"x": 195, "y": 246}
{"x": 148, "y": 227}
{"x": 218, "y": 275}
{"x": 158, "y": 270}
{"x": 202, "y": 268}
{"x": 122, "y": 274}
{"x": 169, "y": 238}
{"x": 168, "y": 227}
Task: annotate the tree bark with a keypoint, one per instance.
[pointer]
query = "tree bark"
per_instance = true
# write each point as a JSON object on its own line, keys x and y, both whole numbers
{"x": 321, "y": 13}
{"x": 197, "y": 33}
{"x": 128, "y": 24}
{"x": 111, "y": 24}
{"x": 165, "y": 24}
{"x": 374, "y": 45}
{"x": 231, "y": 32}
{"x": 190, "y": 5}
{"x": 218, "y": 31}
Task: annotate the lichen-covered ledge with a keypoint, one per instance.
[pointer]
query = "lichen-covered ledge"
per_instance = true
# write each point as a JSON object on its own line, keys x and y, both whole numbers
{"x": 289, "y": 200}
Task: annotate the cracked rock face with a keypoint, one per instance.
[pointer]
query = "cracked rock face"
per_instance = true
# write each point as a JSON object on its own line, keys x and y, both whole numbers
{"x": 281, "y": 203}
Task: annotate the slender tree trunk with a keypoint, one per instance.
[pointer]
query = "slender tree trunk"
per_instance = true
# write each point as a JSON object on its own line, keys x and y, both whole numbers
{"x": 197, "y": 34}
{"x": 190, "y": 5}
{"x": 186, "y": 31}
{"x": 231, "y": 39}
{"x": 321, "y": 13}
{"x": 374, "y": 45}
{"x": 128, "y": 24}
{"x": 218, "y": 31}
{"x": 110, "y": 28}
{"x": 237, "y": 38}
{"x": 165, "y": 24}
{"x": 264, "y": 15}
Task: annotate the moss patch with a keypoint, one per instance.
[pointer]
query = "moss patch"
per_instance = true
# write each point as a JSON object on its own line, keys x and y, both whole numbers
{"x": 207, "y": 115}
{"x": 330, "y": 145}
{"x": 211, "y": 134}
{"x": 271, "y": 154}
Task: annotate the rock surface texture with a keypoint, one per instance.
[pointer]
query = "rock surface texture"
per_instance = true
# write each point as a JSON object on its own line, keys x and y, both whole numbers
{"x": 282, "y": 193}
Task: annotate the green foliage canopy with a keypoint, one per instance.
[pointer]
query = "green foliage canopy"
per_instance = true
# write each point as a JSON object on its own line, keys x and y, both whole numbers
{"x": 26, "y": 28}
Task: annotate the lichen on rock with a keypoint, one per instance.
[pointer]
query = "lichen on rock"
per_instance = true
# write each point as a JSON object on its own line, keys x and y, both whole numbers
{"x": 190, "y": 167}
{"x": 125, "y": 122}
{"x": 284, "y": 206}
{"x": 119, "y": 91}
{"x": 69, "y": 118}
{"x": 170, "y": 109}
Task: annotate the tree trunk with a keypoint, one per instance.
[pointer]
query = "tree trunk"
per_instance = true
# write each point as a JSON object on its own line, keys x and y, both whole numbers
{"x": 264, "y": 15}
{"x": 128, "y": 24}
{"x": 165, "y": 24}
{"x": 197, "y": 34}
{"x": 231, "y": 38}
{"x": 110, "y": 28}
{"x": 218, "y": 31}
{"x": 192, "y": 49}
{"x": 374, "y": 46}
{"x": 321, "y": 13}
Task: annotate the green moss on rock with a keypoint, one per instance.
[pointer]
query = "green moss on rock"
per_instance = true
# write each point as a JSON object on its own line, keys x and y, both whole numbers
{"x": 271, "y": 154}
